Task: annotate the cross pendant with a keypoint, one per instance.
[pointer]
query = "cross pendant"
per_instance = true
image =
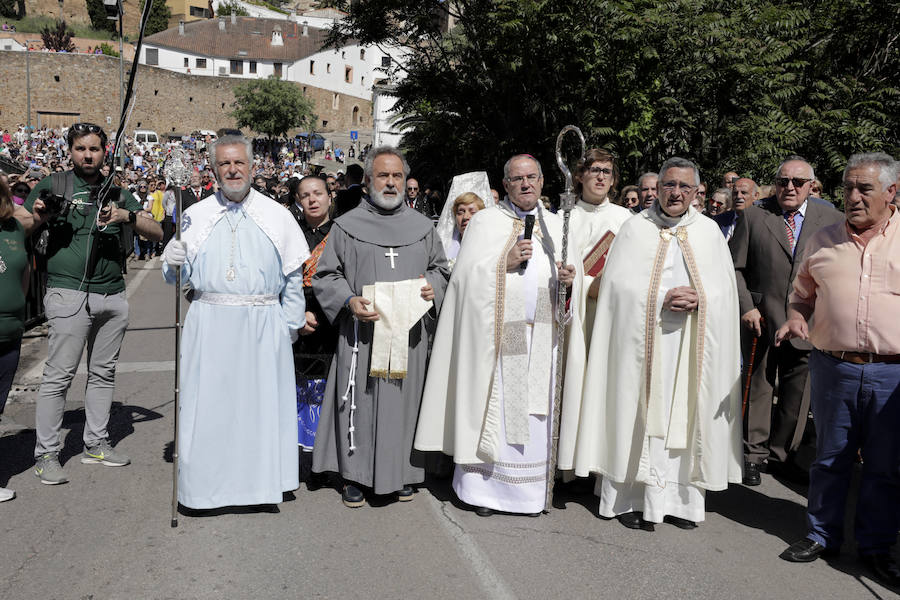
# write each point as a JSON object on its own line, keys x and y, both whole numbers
{"x": 392, "y": 255}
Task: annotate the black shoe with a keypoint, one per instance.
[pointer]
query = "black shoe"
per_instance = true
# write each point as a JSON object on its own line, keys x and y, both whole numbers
{"x": 806, "y": 550}
{"x": 352, "y": 497}
{"x": 751, "y": 474}
{"x": 634, "y": 520}
{"x": 884, "y": 568}
{"x": 483, "y": 511}
{"x": 406, "y": 494}
{"x": 679, "y": 522}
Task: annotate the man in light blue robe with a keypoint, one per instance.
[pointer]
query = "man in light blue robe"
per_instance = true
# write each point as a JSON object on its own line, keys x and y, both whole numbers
{"x": 243, "y": 254}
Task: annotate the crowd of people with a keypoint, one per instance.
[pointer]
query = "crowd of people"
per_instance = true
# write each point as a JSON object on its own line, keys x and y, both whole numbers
{"x": 376, "y": 331}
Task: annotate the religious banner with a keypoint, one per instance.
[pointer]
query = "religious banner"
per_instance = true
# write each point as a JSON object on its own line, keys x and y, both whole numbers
{"x": 399, "y": 305}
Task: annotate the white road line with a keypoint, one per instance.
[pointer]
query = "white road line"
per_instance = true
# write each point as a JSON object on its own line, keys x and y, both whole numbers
{"x": 37, "y": 370}
{"x": 493, "y": 584}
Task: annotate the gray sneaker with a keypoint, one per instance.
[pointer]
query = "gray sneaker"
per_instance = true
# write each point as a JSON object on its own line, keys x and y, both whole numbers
{"x": 103, "y": 453}
{"x": 48, "y": 469}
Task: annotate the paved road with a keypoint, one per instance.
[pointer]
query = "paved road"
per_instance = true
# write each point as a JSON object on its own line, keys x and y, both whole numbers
{"x": 106, "y": 534}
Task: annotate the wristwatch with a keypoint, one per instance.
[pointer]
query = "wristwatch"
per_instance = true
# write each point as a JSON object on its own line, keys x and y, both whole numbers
{"x": 132, "y": 217}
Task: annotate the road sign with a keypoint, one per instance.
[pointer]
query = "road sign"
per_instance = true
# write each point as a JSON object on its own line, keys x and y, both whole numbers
{"x": 354, "y": 135}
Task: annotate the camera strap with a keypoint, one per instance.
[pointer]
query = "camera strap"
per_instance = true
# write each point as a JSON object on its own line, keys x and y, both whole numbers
{"x": 63, "y": 184}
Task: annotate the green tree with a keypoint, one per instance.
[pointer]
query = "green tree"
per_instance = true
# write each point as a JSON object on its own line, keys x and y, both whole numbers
{"x": 231, "y": 8}
{"x": 272, "y": 107}
{"x": 732, "y": 85}
{"x": 58, "y": 38}
{"x": 97, "y": 14}
{"x": 159, "y": 17}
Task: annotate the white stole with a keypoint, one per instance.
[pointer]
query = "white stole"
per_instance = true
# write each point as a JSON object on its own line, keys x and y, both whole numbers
{"x": 399, "y": 305}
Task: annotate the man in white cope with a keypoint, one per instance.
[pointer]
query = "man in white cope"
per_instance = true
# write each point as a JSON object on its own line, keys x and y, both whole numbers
{"x": 243, "y": 254}
{"x": 489, "y": 392}
{"x": 380, "y": 281}
{"x": 660, "y": 415}
{"x": 594, "y": 223}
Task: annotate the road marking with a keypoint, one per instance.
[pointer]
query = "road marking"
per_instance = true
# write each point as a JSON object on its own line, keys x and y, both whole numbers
{"x": 137, "y": 367}
{"x": 37, "y": 370}
{"x": 493, "y": 584}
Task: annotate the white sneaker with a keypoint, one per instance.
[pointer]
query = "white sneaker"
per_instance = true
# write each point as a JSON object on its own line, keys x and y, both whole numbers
{"x": 6, "y": 494}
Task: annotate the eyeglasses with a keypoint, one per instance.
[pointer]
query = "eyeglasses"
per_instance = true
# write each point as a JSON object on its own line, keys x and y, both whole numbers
{"x": 597, "y": 171}
{"x": 798, "y": 182}
{"x": 520, "y": 178}
{"x": 412, "y": 189}
{"x": 671, "y": 186}
{"x": 87, "y": 127}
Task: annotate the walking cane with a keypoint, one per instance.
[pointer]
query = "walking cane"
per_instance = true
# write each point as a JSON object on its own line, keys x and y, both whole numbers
{"x": 749, "y": 373}
{"x": 178, "y": 172}
{"x": 566, "y": 203}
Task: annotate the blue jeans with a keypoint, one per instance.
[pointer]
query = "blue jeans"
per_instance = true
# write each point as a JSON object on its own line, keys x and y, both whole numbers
{"x": 855, "y": 407}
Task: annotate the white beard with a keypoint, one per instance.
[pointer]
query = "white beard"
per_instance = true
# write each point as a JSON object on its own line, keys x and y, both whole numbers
{"x": 379, "y": 200}
{"x": 233, "y": 194}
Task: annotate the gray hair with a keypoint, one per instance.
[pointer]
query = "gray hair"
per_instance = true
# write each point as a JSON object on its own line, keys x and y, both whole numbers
{"x": 518, "y": 157}
{"x": 680, "y": 163}
{"x": 887, "y": 166}
{"x": 725, "y": 194}
{"x": 795, "y": 158}
{"x": 229, "y": 140}
{"x": 369, "y": 167}
{"x": 641, "y": 179}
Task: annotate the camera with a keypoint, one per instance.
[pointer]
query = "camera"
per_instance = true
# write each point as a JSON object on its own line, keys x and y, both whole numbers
{"x": 54, "y": 204}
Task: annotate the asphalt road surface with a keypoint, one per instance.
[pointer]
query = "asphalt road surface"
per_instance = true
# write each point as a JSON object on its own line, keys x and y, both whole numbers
{"x": 107, "y": 533}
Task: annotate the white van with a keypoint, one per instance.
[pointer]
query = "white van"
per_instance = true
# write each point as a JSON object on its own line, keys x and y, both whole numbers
{"x": 146, "y": 137}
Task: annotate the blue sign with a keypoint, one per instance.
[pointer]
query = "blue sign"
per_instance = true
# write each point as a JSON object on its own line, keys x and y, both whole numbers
{"x": 354, "y": 135}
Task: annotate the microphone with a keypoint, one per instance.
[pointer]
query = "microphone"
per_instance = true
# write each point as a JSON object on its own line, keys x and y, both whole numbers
{"x": 529, "y": 227}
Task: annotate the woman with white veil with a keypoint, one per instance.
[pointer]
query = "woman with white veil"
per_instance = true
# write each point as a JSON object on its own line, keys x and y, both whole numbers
{"x": 450, "y": 229}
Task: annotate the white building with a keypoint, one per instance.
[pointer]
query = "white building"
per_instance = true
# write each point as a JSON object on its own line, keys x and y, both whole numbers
{"x": 254, "y": 48}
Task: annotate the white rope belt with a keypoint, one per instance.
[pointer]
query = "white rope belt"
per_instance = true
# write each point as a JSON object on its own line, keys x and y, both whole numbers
{"x": 235, "y": 299}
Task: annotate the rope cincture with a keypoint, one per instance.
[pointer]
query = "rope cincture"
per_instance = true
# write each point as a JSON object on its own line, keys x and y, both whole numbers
{"x": 350, "y": 392}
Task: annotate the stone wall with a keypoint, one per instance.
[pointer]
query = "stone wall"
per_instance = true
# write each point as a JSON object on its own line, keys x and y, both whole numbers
{"x": 86, "y": 88}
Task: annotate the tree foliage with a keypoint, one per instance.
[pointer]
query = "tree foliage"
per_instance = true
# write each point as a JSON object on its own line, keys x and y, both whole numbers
{"x": 231, "y": 8}
{"x": 58, "y": 38}
{"x": 159, "y": 17}
{"x": 97, "y": 14}
{"x": 272, "y": 107}
{"x": 732, "y": 85}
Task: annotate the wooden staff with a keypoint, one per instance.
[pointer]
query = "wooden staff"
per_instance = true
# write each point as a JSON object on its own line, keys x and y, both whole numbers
{"x": 749, "y": 374}
{"x": 566, "y": 202}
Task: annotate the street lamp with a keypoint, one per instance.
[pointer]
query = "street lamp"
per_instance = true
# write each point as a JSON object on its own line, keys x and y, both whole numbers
{"x": 114, "y": 12}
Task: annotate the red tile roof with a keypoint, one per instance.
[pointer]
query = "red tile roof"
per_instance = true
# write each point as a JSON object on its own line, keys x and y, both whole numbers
{"x": 249, "y": 39}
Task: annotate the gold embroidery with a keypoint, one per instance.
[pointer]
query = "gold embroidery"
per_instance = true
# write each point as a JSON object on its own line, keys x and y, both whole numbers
{"x": 694, "y": 273}
{"x": 488, "y": 472}
{"x": 650, "y": 324}
{"x": 500, "y": 303}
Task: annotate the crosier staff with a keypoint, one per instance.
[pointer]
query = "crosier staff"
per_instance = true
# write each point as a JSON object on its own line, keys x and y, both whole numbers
{"x": 178, "y": 171}
{"x": 566, "y": 202}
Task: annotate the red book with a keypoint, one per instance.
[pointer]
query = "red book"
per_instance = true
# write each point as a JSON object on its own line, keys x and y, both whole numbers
{"x": 596, "y": 258}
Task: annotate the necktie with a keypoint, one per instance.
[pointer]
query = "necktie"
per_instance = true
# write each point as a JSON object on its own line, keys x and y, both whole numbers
{"x": 789, "y": 228}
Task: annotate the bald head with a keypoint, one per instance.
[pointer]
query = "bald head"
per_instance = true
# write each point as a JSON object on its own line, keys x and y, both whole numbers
{"x": 745, "y": 193}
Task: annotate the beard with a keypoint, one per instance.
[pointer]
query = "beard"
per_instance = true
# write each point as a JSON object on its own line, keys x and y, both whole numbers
{"x": 383, "y": 202}
{"x": 235, "y": 194}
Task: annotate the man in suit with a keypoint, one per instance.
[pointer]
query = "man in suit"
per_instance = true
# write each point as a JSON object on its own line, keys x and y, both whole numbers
{"x": 744, "y": 193}
{"x": 767, "y": 247}
{"x": 194, "y": 193}
{"x": 349, "y": 198}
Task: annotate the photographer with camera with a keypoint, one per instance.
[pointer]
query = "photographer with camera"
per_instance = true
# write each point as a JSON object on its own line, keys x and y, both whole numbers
{"x": 85, "y": 301}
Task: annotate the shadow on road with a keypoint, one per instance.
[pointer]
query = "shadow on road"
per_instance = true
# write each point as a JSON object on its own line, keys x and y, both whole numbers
{"x": 782, "y": 518}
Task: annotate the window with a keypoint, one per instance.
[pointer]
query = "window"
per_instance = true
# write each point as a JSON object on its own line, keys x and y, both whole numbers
{"x": 348, "y": 74}
{"x": 237, "y": 67}
{"x": 200, "y": 63}
{"x": 362, "y": 54}
{"x": 312, "y": 67}
{"x": 335, "y": 101}
{"x": 385, "y": 62}
{"x": 343, "y": 55}
{"x": 252, "y": 68}
{"x": 197, "y": 11}
{"x": 152, "y": 56}
{"x": 186, "y": 62}
{"x": 328, "y": 67}
{"x": 362, "y": 81}
{"x": 276, "y": 67}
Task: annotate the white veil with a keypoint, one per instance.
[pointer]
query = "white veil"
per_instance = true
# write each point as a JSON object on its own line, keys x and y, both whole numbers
{"x": 476, "y": 182}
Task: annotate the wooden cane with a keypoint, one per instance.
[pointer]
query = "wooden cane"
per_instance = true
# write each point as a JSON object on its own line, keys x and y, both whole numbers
{"x": 749, "y": 374}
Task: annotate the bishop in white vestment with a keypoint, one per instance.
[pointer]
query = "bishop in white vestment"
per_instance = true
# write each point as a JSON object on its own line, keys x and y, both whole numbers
{"x": 489, "y": 392}
{"x": 660, "y": 412}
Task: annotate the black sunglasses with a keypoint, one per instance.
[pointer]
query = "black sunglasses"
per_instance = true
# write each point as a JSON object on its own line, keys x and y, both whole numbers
{"x": 87, "y": 127}
{"x": 798, "y": 182}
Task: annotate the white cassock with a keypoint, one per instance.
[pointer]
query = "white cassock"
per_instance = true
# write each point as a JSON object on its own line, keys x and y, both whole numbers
{"x": 588, "y": 224}
{"x": 660, "y": 413}
{"x": 237, "y": 436}
{"x": 490, "y": 384}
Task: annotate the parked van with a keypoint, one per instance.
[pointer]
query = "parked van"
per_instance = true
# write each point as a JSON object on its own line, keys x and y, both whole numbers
{"x": 202, "y": 133}
{"x": 146, "y": 137}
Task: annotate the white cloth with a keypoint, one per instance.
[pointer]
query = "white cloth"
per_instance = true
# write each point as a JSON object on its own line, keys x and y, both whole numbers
{"x": 476, "y": 182}
{"x": 463, "y": 406}
{"x": 698, "y": 408}
{"x": 238, "y": 432}
{"x": 588, "y": 223}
